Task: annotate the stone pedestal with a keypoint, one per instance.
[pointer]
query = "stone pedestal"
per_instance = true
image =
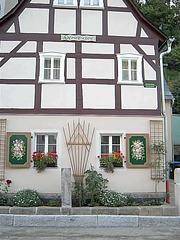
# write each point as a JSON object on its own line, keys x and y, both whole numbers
{"x": 66, "y": 188}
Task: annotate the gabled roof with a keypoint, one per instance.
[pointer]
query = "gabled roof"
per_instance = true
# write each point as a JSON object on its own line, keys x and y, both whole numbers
{"x": 161, "y": 35}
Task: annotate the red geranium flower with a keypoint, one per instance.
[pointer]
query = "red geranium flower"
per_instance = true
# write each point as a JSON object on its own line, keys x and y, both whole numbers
{"x": 8, "y": 182}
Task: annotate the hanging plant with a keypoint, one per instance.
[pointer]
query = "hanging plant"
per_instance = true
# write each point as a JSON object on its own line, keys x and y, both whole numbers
{"x": 42, "y": 160}
{"x": 111, "y": 160}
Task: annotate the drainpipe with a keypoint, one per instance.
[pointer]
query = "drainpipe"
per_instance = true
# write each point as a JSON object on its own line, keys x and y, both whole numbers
{"x": 169, "y": 44}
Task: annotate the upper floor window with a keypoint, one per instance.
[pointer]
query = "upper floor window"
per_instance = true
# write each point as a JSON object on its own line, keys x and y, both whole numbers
{"x": 51, "y": 67}
{"x": 129, "y": 68}
{"x": 92, "y": 3}
{"x": 65, "y": 3}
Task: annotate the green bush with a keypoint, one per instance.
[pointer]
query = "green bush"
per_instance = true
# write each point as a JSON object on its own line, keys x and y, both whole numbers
{"x": 110, "y": 198}
{"x": 3, "y": 199}
{"x": 54, "y": 203}
{"x": 25, "y": 198}
{"x": 95, "y": 185}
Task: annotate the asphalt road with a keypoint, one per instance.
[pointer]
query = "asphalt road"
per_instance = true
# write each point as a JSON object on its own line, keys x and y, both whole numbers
{"x": 125, "y": 233}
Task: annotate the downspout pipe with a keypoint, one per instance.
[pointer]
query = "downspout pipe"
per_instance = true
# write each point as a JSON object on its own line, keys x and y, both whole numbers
{"x": 169, "y": 45}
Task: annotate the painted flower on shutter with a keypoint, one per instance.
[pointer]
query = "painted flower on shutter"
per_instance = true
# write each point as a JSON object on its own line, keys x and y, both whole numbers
{"x": 138, "y": 150}
{"x": 18, "y": 149}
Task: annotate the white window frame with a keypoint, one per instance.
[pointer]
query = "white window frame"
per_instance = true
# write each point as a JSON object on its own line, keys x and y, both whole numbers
{"x": 56, "y": 4}
{"x": 46, "y": 141}
{"x": 57, "y": 132}
{"x": 61, "y": 56}
{"x": 121, "y": 133}
{"x": 138, "y": 58}
{"x": 100, "y": 6}
{"x": 2, "y": 8}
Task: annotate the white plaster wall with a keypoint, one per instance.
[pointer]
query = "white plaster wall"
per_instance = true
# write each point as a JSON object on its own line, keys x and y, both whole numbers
{"x": 34, "y": 20}
{"x": 98, "y": 96}
{"x": 61, "y": 47}
{"x": 11, "y": 29}
{"x": 128, "y": 48}
{"x": 65, "y": 21}
{"x": 17, "y": 96}
{"x": 122, "y": 180}
{"x": 138, "y": 97}
{"x": 91, "y": 22}
{"x": 143, "y": 33}
{"x": 19, "y": 68}
{"x": 148, "y": 49}
{"x": 8, "y": 46}
{"x": 58, "y": 96}
{"x": 97, "y": 48}
{"x": 149, "y": 72}
{"x": 40, "y": 1}
{"x": 127, "y": 24}
{"x": 71, "y": 72}
{"x": 115, "y": 3}
{"x": 98, "y": 68}
{"x": 28, "y": 47}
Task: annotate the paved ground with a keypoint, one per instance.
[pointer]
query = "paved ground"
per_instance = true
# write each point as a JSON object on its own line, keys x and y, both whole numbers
{"x": 29, "y": 233}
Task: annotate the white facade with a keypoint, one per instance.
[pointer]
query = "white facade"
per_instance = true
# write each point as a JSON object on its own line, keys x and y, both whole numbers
{"x": 62, "y": 63}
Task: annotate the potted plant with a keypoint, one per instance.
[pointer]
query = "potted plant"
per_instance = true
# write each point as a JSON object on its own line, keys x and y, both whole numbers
{"x": 42, "y": 160}
{"x": 111, "y": 160}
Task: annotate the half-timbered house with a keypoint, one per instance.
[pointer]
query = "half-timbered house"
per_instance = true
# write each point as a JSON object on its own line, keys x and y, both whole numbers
{"x": 68, "y": 67}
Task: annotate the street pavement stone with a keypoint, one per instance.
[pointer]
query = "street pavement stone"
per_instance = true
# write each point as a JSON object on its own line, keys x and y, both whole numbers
{"x": 118, "y": 233}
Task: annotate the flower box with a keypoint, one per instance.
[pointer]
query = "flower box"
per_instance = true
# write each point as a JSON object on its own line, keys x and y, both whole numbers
{"x": 112, "y": 160}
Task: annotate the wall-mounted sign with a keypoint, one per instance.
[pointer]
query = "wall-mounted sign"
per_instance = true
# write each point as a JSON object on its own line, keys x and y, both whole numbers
{"x": 78, "y": 38}
{"x": 137, "y": 150}
{"x": 150, "y": 85}
{"x": 18, "y": 150}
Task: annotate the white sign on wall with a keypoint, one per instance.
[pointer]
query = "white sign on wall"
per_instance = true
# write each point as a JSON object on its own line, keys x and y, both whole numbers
{"x": 78, "y": 38}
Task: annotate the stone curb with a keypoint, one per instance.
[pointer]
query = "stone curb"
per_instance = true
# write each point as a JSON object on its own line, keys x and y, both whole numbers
{"x": 163, "y": 210}
{"x": 87, "y": 221}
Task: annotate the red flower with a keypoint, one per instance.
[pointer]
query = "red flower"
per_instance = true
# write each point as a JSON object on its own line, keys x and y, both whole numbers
{"x": 8, "y": 182}
{"x": 98, "y": 156}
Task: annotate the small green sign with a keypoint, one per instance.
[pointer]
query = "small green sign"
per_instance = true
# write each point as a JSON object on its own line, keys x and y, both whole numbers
{"x": 150, "y": 85}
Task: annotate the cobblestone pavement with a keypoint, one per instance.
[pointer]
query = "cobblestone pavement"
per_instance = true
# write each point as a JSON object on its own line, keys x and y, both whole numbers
{"x": 126, "y": 233}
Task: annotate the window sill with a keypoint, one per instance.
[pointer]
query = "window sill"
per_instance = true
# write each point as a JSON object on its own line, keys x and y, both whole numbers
{"x": 91, "y": 7}
{"x": 50, "y": 82}
{"x": 65, "y": 6}
{"x": 130, "y": 83}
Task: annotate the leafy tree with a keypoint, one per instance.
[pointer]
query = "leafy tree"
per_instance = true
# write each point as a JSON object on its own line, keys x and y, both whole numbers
{"x": 164, "y": 14}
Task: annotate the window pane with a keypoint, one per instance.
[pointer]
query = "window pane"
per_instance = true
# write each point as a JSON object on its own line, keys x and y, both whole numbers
{"x": 96, "y": 2}
{"x": 124, "y": 64}
{"x": 60, "y": 1}
{"x": 104, "y": 139}
{"x": 40, "y": 139}
{"x": 115, "y": 139}
{"x": 104, "y": 149}
{"x": 47, "y": 73}
{"x": 86, "y": 2}
{"x": 133, "y": 64}
{"x": 56, "y": 63}
{"x": 47, "y": 63}
{"x": 51, "y": 148}
{"x": 115, "y": 148}
{"x": 134, "y": 75}
{"x": 40, "y": 148}
{"x": 51, "y": 139}
{"x": 70, "y": 2}
{"x": 56, "y": 74}
{"x": 125, "y": 75}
